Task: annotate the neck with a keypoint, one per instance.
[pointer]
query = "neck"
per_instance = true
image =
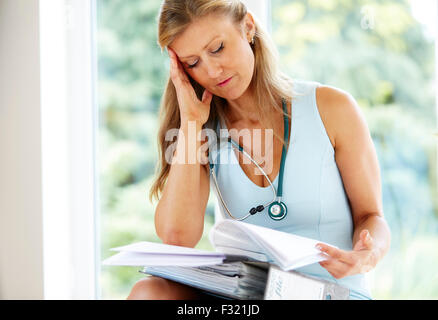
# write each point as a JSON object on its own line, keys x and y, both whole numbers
{"x": 243, "y": 108}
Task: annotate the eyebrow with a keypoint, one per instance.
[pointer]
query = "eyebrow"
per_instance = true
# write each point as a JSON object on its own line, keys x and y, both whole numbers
{"x": 202, "y": 48}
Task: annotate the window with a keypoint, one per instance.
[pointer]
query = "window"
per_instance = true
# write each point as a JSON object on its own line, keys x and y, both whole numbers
{"x": 378, "y": 51}
{"x": 383, "y": 54}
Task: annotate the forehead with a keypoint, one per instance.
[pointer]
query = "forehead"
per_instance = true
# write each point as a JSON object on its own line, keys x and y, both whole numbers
{"x": 200, "y": 32}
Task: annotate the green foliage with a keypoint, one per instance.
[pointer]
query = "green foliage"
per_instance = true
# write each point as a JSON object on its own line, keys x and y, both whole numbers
{"x": 376, "y": 51}
{"x": 130, "y": 61}
{"x": 372, "y": 49}
{"x": 409, "y": 273}
{"x": 359, "y": 46}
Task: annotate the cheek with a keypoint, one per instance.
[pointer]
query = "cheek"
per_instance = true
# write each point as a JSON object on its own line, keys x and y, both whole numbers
{"x": 250, "y": 65}
{"x": 198, "y": 76}
{"x": 244, "y": 60}
{"x": 246, "y": 68}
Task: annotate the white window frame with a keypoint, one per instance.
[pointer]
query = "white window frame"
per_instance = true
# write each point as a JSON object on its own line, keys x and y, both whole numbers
{"x": 68, "y": 116}
{"x": 262, "y": 10}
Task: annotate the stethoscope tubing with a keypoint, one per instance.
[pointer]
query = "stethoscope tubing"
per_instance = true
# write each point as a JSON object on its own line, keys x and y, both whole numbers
{"x": 277, "y": 195}
{"x": 213, "y": 174}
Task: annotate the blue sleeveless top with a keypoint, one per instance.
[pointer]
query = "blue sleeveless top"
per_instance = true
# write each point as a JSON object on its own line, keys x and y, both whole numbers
{"x": 313, "y": 190}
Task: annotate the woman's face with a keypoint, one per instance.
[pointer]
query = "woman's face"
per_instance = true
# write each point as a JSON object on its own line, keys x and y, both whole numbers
{"x": 217, "y": 55}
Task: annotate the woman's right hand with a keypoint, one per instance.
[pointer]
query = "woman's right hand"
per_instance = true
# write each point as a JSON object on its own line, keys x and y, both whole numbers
{"x": 191, "y": 108}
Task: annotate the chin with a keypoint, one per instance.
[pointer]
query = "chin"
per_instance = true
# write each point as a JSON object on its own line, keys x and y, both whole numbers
{"x": 231, "y": 94}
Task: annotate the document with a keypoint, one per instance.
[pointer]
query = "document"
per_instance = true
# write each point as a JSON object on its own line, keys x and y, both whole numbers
{"x": 233, "y": 241}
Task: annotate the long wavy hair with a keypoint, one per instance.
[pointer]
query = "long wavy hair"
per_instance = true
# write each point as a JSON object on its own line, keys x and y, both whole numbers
{"x": 269, "y": 84}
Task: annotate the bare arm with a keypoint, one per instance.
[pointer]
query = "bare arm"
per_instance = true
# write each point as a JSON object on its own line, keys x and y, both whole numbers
{"x": 357, "y": 162}
{"x": 179, "y": 216}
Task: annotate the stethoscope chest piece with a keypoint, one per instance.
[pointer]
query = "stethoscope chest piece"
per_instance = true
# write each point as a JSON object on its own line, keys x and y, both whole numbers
{"x": 277, "y": 210}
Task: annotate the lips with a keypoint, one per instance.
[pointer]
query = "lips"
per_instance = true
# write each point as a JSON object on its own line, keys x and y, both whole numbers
{"x": 223, "y": 83}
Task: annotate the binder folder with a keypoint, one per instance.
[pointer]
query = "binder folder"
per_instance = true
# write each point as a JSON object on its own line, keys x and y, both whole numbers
{"x": 251, "y": 281}
{"x": 292, "y": 285}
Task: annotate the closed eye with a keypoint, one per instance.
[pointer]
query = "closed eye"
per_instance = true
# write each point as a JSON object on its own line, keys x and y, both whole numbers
{"x": 191, "y": 66}
{"x": 220, "y": 48}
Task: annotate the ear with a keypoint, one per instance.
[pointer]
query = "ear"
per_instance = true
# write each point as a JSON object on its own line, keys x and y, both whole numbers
{"x": 249, "y": 26}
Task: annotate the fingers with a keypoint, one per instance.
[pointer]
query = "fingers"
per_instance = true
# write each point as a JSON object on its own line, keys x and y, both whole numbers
{"x": 336, "y": 268}
{"x": 174, "y": 74}
{"x": 331, "y": 251}
{"x": 335, "y": 253}
{"x": 365, "y": 241}
{"x": 177, "y": 73}
{"x": 342, "y": 263}
{"x": 366, "y": 238}
{"x": 207, "y": 96}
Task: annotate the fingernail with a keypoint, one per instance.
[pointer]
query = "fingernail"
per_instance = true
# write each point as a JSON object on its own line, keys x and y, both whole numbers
{"x": 318, "y": 247}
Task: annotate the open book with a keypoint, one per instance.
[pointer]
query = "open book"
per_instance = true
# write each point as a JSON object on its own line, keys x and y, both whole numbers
{"x": 233, "y": 241}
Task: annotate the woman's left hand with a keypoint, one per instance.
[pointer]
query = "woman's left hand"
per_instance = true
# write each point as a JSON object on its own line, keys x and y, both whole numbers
{"x": 341, "y": 263}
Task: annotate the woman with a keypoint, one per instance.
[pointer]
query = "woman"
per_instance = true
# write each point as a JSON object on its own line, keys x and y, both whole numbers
{"x": 223, "y": 72}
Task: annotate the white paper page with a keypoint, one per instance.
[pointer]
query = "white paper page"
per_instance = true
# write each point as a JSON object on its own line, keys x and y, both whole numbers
{"x": 241, "y": 252}
{"x": 161, "y": 248}
{"x": 127, "y": 258}
{"x": 285, "y": 248}
{"x": 227, "y": 235}
{"x": 306, "y": 261}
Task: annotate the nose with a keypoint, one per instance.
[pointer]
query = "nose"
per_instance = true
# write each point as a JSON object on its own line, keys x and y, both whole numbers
{"x": 214, "y": 69}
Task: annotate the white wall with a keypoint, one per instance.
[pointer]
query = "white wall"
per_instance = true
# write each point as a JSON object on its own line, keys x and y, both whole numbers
{"x": 21, "y": 242}
{"x": 48, "y": 231}
{"x": 71, "y": 257}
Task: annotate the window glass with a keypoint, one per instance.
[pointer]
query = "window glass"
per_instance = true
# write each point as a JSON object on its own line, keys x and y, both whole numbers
{"x": 382, "y": 53}
{"x": 378, "y": 51}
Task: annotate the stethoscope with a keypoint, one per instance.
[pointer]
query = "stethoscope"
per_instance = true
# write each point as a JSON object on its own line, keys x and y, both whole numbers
{"x": 277, "y": 209}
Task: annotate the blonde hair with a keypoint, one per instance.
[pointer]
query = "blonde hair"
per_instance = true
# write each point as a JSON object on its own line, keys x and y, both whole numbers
{"x": 268, "y": 83}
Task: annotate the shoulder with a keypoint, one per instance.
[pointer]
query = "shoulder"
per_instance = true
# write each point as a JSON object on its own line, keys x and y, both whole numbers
{"x": 340, "y": 113}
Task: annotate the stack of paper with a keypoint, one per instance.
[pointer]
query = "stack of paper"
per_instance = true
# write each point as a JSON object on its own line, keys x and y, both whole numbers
{"x": 286, "y": 250}
{"x": 238, "y": 280}
{"x": 232, "y": 241}
{"x": 230, "y": 270}
{"x": 157, "y": 254}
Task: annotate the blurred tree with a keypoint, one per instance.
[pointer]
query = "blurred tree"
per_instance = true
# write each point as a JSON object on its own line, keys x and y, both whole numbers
{"x": 131, "y": 66}
{"x": 373, "y": 49}
{"x": 377, "y": 52}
